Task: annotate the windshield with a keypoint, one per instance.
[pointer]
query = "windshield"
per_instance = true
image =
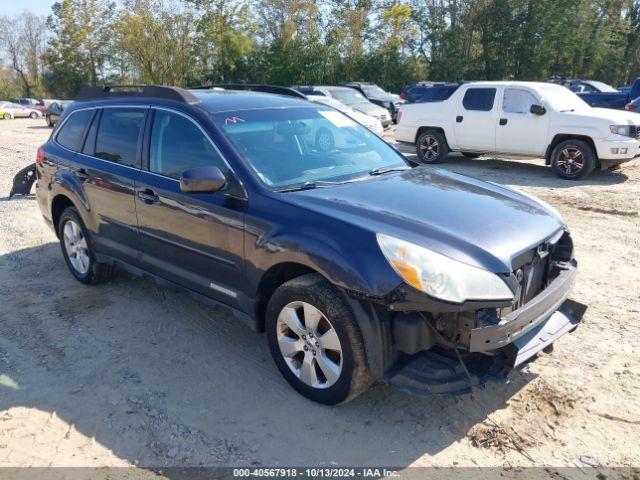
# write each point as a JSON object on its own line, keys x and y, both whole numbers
{"x": 562, "y": 99}
{"x": 348, "y": 96}
{"x": 291, "y": 147}
{"x": 603, "y": 87}
{"x": 374, "y": 91}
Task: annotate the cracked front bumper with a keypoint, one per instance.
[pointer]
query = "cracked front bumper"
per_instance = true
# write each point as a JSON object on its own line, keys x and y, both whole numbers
{"x": 526, "y": 318}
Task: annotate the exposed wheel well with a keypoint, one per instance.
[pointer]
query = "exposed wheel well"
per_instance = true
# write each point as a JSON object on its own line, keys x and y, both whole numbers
{"x": 271, "y": 280}
{"x": 564, "y": 136}
{"x": 60, "y": 202}
{"x": 424, "y": 129}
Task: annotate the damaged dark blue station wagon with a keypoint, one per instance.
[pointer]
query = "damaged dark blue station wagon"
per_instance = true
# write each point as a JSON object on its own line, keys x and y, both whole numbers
{"x": 357, "y": 266}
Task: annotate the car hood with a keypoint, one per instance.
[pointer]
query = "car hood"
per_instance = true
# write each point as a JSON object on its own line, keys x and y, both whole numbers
{"x": 622, "y": 117}
{"x": 474, "y": 222}
{"x": 609, "y": 115}
{"x": 369, "y": 108}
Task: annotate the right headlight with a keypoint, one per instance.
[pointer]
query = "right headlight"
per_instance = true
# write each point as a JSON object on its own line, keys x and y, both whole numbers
{"x": 624, "y": 130}
{"x": 440, "y": 276}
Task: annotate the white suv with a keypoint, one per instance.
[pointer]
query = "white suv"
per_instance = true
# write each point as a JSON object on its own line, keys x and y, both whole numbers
{"x": 522, "y": 118}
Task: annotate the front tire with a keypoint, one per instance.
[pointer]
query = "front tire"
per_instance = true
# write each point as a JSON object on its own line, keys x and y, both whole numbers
{"x": 573, "y": 160}
{"x": 315, "y": 341}
{"x": 49, "y": 122}
{"x": 7, "y": 116}
{"x": 431, "y": 147}
{"x": 78, "y": 252}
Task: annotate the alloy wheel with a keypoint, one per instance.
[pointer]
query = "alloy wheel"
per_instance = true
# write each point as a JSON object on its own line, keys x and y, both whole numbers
{"x": 429, "y": 147}
{"x": 570, "y": 161}
{"x": 76, "y": 247}
{"x": 309, "y": 344}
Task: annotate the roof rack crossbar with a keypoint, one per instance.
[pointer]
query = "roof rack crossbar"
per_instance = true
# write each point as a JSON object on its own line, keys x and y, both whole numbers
{"x": 275, "y": 89}
{"x": 138, "y": 91}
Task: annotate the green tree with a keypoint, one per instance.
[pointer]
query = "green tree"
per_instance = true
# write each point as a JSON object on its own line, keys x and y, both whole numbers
{"x": 79, "y": 48}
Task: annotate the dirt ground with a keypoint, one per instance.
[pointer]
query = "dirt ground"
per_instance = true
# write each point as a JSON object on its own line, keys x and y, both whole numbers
{"x": 129, "y": 373}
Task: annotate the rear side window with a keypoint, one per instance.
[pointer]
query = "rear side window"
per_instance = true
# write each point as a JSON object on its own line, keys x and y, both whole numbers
{"x": 72, "y": 131}
{"x": 177, "y": 144}
{"x": 479, "y": 99}
{"x": 118, "y": 135}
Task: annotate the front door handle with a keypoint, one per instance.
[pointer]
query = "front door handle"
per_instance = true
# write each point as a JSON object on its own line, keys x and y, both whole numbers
{"x": 148, "y": 196}
{"x": 503, "y": 121}
{"x": 459, "y": 118}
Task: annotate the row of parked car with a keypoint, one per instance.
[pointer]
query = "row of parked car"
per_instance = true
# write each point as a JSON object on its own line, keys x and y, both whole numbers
{"x": 595, "y": 93}
{"x": 50, "y": 109}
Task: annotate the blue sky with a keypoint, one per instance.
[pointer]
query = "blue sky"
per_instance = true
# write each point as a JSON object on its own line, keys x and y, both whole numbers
{"x": 11, "y": 7}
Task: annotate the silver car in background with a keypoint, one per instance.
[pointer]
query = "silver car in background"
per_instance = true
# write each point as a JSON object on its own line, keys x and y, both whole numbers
{"x": 351, "y": 98}
{"x": 372, "y": 123}
{"x": 18, "y": 111}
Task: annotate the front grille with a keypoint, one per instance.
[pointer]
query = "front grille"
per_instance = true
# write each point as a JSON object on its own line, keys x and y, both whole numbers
{"x": 538, "y": 267}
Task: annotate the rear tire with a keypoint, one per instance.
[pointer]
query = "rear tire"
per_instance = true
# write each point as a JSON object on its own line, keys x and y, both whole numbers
{"x": 49, "y": 122}
{"x": 316, "y": 310}
{"x": 431, "y": 147}
{"x": 573, "y": 159}
{"x": 7, "y": 116}
{"x": 33, "y": 115}
{"x": 78, "y": 251}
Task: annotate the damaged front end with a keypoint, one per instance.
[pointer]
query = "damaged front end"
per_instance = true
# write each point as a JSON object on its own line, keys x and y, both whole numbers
{"x": 23, "y": 181}
{"x": 450, "y": 349}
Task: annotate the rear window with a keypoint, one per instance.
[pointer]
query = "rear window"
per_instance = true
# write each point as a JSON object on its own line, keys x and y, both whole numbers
{"x": 118, "y": 135}
{"x": 72, "y": 131}
{"x": 479, "y": 99}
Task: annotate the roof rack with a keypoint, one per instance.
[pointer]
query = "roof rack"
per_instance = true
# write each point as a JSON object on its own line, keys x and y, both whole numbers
{"x": 140, "y": 91}
{"x": 275, "y": 89}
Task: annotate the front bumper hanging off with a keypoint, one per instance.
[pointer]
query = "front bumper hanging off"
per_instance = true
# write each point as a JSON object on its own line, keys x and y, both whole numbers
{"x": 494, "y": 350}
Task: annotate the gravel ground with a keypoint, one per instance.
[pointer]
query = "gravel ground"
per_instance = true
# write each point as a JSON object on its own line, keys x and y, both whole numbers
{"x": 132, "y": 374}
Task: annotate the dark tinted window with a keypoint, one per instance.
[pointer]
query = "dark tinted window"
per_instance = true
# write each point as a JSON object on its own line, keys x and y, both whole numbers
{"x": 71, "y": 133}
{"x": 443, "y": 93}
{"x": 479, "y": 99}
{"x": 177, "y": 144}
{"x": 118, "y": 134}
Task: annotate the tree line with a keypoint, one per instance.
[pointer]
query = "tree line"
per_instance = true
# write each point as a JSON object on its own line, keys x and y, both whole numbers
{"x": 289, "y": 42}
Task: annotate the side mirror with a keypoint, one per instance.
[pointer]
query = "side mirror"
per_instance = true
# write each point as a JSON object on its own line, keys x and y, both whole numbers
{"x": 202, "y": 180}
{"x": 538, "y": 109}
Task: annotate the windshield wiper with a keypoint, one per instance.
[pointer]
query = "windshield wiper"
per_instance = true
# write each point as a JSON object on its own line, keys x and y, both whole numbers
{"x": 309, "y": 185}
{"x": 382, "y": 170}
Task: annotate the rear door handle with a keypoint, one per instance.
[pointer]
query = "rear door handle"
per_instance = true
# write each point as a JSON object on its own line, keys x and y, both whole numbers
{"x": 148, "y": 196}
{"x": 82, "y": 174}
{"x": 503, "y": 121}
{"x": 459, "y": 118}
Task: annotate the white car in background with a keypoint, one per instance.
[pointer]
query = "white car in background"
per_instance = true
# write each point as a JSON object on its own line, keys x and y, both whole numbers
{"x": 372, "y": 123}
{"x": 18, "y": 111}
{"x": 522, "y": 118}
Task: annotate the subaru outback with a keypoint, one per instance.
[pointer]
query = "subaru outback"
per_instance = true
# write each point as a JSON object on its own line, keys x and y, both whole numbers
{"x": 358, "y": 267}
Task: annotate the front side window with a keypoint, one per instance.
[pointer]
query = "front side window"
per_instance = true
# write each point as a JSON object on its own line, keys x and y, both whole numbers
{"x": 289, "y": 147}
{"x": 118, "y": 135}
{"x": 72, "y": 131}
{"x": 177, "y": 144}
{"x": 480, "y": 99}
{"x": 516, "y": 100}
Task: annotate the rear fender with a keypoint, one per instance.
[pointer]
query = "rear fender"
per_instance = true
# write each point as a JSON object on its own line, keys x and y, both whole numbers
{"x": 66, "y": 184}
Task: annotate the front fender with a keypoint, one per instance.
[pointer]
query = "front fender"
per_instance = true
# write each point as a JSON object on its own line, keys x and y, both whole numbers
{"x": 340, "y": 269}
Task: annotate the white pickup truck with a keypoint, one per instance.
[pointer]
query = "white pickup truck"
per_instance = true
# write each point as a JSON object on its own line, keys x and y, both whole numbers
{"x": 522, "y": 118}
